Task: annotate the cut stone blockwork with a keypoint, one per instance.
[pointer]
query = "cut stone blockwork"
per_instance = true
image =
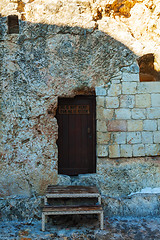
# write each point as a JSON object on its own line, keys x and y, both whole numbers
{"x": 137, "y": 116}
{"x": 75, "y": 192}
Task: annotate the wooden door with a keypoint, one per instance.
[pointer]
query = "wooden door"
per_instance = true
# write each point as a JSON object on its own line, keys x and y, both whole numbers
{"x": 76, "y": 135}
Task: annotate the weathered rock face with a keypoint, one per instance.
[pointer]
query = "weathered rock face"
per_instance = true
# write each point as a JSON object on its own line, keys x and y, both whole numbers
{"x": 21, "y": 208}
{"x": 29, "y": 209}
{"x": 133, "y": 22}
{"x": 68, "y": 48}
{"x": 36, "y": 71}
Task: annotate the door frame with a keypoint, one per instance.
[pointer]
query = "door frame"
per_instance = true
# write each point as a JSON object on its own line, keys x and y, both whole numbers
{"x": 92, "y": 169}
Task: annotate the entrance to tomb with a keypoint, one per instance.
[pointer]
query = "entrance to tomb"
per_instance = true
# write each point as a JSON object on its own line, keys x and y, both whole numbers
{"x": 76, "y": 135}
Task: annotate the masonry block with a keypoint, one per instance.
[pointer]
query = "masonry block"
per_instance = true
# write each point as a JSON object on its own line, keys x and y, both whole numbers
{"x": 153, "y": 113}
{"x": 102, "y": 113}
{"x": 118, "y": 77}
{"x": 112, "y": 102}
{"x": 114, "y": 81}
{"x": 129, "y": 87}
{"x": 138, "y": 150}
{"x": 156, "y": 136}
{"x": 100, "y": 91}
{"x": 158, "y": 124}
{"x": 119, "y": 137}
{"x": 134, "y": 68}
{"x": 155, "y": 100}
{"x": 114, "y": 90}
{"x": 139, "y": 113}
{"x": 135, "y": 125}
{"x": 126, "y": 150}
{"x": 152, "y": 149}
{"x": 143, "y": 100}
{"x": 114, "y": 151}
{"x": 147, "y": 137}
{"x": 127, "y": 101}
{"x": 150, "y": 125}
{"x": 130, "y": 77}
{"x": 99, "y": 113}
{"x": 148, "y": 87}
{"x": 100, "y": 101}
{"x": 117, "y": 126}
{"x": 134, "y": 137}
{"x": 103, "y": 137}
{"x": 108, "y": 113}
{"x": 101, "y": 126}
{"x": 123, "y": 113}
{"x": 102, "y": 150}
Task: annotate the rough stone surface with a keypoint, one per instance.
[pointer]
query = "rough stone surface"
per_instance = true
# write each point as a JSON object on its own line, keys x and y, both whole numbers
{"x": 21, "y": 209}
{"x": 119, "y": 177}
{"x": 135, "y": 205}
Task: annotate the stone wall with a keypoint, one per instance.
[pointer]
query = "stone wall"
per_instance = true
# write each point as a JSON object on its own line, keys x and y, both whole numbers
{"x": 131, "y": 112}
{"x": 39, "y": 64}
{"x": 68, "y": 48}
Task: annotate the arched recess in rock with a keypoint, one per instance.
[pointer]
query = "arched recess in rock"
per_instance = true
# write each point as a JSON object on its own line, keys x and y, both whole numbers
{"x": 76, "y": 141}
{"x": 147, "y": 71}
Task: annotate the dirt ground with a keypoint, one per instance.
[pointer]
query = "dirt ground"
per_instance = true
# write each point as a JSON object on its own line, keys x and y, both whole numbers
{"x": 77, "y": 227}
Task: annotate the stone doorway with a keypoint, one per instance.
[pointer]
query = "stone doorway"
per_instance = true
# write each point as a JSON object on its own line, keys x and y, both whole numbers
{"x": 76, "y": 135}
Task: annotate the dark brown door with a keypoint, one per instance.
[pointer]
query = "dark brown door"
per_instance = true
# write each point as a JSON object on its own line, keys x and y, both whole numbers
{"x": 76, "y": 135}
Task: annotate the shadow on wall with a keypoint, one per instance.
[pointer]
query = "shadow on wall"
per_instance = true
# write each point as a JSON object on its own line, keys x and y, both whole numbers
{"x": 89, "y": 56}
{"x": 147, "y": 72}
{"x": 68, "y": 60}
{"x": 146, "y": 62}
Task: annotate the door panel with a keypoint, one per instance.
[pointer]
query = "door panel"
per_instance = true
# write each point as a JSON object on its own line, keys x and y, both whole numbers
{"x": 76, "y": 135}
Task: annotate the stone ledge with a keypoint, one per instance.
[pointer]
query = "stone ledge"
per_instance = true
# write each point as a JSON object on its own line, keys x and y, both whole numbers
{"x": 138, "y": 205}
